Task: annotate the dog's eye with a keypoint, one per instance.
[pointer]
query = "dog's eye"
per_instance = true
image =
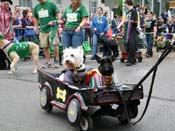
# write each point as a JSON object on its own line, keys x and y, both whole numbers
{"x": 72, "y": 55}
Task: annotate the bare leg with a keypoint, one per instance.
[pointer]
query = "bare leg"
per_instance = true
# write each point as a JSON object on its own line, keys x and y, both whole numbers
{"x": 56, "y": 52}
{"x": 47, "y": 54}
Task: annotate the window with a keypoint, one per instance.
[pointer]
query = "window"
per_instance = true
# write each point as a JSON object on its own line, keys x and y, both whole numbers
{"x": 25, "y": 3}
{"x": 93, "y": 6}
{"x": 102, "y": 1}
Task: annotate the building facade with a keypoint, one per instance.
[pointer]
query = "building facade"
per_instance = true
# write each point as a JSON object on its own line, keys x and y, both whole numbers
{"x": 91, "y": 5}
{"x": 108, "y": 5}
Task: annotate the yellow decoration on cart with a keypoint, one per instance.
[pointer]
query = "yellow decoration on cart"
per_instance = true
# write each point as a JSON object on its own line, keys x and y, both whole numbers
{"x": 71, "y": 112}
{"x": 61, "y": 94}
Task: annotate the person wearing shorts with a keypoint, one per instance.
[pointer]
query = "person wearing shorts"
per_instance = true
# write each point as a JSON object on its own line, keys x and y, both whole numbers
{"x": 47, "y": 17}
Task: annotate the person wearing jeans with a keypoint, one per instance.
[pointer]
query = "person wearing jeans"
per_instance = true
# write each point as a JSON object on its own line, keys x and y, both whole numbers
{"x": 150, "y": 31}
{"x": 75, "y": 16}
{"x": 71, "y": 38}
{"x": 149, "y": 39}
{"x": 99, "y": 29}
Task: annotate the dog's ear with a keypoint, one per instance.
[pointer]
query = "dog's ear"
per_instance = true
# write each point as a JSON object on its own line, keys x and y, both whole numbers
{"x": 65, "y": 50}
{"x": 98, "y": 58}
{"x": 113, "y": 58}
{"x": 80, "y": 49}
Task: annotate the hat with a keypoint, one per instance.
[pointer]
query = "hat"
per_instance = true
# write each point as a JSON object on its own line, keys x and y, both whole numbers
{"x": 11, "y": 2}
{"x": 1, "y": 37}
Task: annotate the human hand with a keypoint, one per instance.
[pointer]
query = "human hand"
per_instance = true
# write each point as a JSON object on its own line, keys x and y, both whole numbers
{"x": 101, "y": 34}
{"x": 95, "y": 29}
{"x": 118, "y": 29}
{"x": 77, "y": 29}
{"x": 155, "y": 37}
{"x": 36, "y": 30}
{"x": 51, "y": 23}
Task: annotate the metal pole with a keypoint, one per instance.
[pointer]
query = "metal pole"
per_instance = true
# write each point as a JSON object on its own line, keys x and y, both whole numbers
{"x": 123, "y": 11}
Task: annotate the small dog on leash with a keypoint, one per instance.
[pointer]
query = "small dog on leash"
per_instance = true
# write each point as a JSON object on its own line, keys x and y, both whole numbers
{"x": 15, "y": 51}
{"x": 74, "y": 73}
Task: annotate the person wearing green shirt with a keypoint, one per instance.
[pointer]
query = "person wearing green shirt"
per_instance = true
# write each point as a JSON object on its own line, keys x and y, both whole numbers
{"x": 47, "y": 18}
{"x": 75, "y": 16}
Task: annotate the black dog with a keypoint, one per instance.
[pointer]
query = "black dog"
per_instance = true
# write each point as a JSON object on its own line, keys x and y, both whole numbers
{"x": 105, "y": 65}
{"x": 110, "y": 46}
{"x": 4, "y": 61}
{"x": 106, "y": 68}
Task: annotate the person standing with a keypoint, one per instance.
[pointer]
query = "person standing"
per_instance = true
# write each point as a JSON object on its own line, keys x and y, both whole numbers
{"x": 150, "y": 31}
{"x": 6, "y": 19}
{"x": 131, "y": 35}
{"x": 75, "y": 17}
{"x": 114, "y": 23}
{"x": 161, "y": 27}
{"x": 47, "y": 16}
{"x": 99, "y": 29}
{"x": 17, "y": 22}
{"x": 28, "y": 26}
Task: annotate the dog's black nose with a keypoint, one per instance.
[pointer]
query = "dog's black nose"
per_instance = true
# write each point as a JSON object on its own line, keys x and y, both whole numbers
{"x": 67, "y": 61}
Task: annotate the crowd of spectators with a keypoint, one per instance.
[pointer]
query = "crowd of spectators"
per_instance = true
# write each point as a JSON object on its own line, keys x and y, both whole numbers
{"x": 19, "y": 25}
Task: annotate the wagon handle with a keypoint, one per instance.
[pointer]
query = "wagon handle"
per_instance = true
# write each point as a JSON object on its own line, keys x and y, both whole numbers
{"x": 154, "y": 70}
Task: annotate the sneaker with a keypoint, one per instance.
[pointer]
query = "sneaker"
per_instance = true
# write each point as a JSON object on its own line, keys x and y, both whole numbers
{"x": 147, "y": 55}
{"x": 130, "y": 64}
{"x": 56, "y": 64}
{"x": 47, "y": 65}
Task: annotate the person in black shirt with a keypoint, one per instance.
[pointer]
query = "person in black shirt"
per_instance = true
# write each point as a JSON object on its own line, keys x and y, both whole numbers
{"x": 161, "y": 27}
{"x": 131, "y": 35}
{"x": 150, "y": 31}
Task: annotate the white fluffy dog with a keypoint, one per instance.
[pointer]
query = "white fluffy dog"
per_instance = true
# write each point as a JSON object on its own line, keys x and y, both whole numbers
{"x": 73, "y": 58}
{"x": 74, "y": 68}
{"x": 15, "y": 51}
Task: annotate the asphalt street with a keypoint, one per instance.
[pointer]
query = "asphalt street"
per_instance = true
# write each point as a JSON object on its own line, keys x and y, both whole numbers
{"x": 20, "y": 108}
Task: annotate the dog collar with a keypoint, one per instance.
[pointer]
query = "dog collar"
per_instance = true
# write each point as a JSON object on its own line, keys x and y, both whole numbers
{"x": 77, "y": 68}
{"x": 7, "y": 45}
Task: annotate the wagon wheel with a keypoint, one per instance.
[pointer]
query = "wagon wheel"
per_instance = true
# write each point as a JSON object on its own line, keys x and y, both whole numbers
{"x": 86, "y": 123}
{"x": 74, "y": 112}
{"x": 123, "y": 116}
{"x": 45, "y": 98}
{"x": 134, "y": 110}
